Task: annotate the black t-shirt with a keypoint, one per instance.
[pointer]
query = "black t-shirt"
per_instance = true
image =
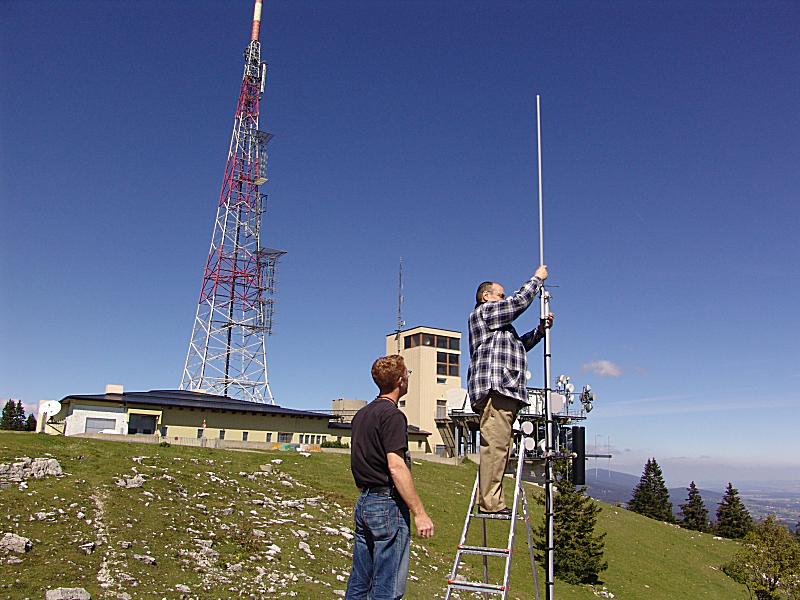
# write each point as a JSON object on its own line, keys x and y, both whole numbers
{"x": 378, "y": 428}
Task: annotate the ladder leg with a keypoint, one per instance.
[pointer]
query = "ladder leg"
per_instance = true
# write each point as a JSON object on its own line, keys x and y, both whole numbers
{"x": 530, "y": 542}
{"x": 485, "y": 559}
{"x": 464, "y": 531}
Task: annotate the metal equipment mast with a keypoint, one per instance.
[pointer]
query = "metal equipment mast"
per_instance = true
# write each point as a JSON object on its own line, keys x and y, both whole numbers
{"x": 227, "y": 350}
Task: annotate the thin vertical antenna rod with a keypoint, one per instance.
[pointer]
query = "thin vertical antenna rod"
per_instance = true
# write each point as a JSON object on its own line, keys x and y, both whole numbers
{"x": 549, "y": 505}
{"x": 539, "y": 158}
{"x": 400, "y": 322}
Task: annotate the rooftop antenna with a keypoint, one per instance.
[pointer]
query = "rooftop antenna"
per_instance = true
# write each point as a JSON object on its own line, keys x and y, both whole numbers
{"x": 549, "y": 445}
{"x": 400, "y": 322}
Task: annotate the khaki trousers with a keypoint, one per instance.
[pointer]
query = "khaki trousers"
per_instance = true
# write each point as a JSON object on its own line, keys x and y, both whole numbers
{"x": 496, "y": 421}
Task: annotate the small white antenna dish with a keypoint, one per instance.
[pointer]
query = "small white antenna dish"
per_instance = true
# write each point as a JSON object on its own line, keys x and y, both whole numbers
{"x": 528, "y": 375}
{"x": 52, "y": 407}
{"x": 570, "y": 387}
{"x": 529, "y": 443}
{"x": 527, "y": 428}
{"x": 557, "y": 402}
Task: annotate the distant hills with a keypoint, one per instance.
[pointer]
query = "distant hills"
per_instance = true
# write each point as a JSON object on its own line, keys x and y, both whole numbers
{"x": 615, "y": 487}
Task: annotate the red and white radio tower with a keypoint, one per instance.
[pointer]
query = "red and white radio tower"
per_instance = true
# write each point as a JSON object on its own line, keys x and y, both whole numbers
{"x": 227, "y": 351}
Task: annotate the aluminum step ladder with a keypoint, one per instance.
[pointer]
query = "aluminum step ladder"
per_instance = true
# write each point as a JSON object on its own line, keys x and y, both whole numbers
{"x": 455, "y": 581}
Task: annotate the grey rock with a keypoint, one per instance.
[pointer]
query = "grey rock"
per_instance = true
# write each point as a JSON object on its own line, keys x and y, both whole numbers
{"x": 25, "y": 468}
{"x": 11, "y": 542}
{"x": 88, "y": 547}
{"x": 184, "y": 589}
{"x": 131, "y": 482}
{"x": 67, "y": 594}
{"x": 145, "y": 558}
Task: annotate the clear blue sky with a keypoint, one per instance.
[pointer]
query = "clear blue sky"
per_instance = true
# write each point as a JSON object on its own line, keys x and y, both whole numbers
{"x": 671, "y": 137}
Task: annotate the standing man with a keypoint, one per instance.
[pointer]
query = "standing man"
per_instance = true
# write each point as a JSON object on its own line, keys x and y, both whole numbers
{"x": 496, "y": 377}
{"x": 381, "y": 468}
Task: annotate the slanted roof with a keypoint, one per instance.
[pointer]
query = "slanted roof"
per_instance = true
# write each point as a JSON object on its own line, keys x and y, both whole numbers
{"x": 189, "y": 399}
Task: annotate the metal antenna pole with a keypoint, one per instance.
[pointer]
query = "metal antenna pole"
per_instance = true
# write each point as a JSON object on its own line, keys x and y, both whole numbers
{"x": 549, "y": 446}
{"x": 400, "y": 322}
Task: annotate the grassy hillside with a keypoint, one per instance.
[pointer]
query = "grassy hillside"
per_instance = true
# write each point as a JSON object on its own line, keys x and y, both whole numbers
{"x": 212, "y": 523}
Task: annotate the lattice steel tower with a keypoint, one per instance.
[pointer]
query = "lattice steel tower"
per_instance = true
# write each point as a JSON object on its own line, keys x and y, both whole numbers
{"x": 227, "y": 351}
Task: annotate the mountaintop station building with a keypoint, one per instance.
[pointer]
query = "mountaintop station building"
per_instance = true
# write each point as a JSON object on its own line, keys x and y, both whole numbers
{"x": 201, "y": 419}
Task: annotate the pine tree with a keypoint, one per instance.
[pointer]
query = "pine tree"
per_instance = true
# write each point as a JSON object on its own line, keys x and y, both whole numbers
{"x": 7, "y": 418}
{"x": 694, "y": 514}
{"x": 651, "y": 496}
{"x": 733, "y": 520}
{"x": 768, "y": 562}
{"x": 578, "y": 550}
{"x": 30, "y": 423}
{"x": 19, "y": 417}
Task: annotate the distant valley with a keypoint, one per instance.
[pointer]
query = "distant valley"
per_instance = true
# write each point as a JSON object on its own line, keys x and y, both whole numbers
{"x": 779, "y": 499}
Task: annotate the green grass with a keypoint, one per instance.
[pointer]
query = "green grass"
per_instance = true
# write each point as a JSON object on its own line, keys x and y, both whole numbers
{"x": 197, "y": 493}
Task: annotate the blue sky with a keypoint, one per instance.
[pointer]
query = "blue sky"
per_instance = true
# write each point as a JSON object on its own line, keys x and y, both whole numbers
{"x": 671, "y": 137}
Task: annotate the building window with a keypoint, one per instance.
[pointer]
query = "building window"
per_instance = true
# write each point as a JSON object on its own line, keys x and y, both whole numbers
{"x": 441, "y": 380}
{"x": 245, "y": 435}
{"x": 200, "y": 433}
{"x": 447, "y": 364}
{"x": 428, "y": 339}
{"x": 441, "y": 409}
{"x": 401, "y": 403}
{"x": 319, "y": 439}
{"x": 284, "y": 438}
{"x": 269, "y": 437}
{"x": 412, "y": 341}
{"x": 222, "y": 434}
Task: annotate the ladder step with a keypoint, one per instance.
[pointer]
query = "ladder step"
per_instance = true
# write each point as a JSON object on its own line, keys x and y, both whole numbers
{"x": 498, "y": 517}
{"x": 476, "y": 586}
{"x": 483, "y": 550}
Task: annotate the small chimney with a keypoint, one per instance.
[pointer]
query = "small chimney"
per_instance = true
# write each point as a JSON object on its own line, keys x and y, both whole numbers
{"x": 114, "y": 388}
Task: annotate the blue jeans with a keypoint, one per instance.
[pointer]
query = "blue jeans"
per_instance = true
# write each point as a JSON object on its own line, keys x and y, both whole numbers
{"x": 380, "y": 550}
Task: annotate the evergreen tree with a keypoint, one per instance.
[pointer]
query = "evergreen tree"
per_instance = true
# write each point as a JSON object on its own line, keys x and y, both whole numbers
{"x": 694, "y": 514}
{"x": 650, "y": 496}
{"x": 7, "y": 418}
{"x": 30, "y": 423}
{"x": 578, "y": 550}
{"x": 733, "y": 520}
{"x": 19, "y": 417}
{"x": 768, "y": 562}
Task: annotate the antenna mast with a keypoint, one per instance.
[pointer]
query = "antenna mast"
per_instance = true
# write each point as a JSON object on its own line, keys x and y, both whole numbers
{"x": 227, "y": 350}
{"x": 549, "y": 442}
{"x": 400, "y": 322}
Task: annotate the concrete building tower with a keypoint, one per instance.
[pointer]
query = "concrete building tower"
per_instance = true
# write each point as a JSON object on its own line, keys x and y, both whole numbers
{"x": 434, "y": 358}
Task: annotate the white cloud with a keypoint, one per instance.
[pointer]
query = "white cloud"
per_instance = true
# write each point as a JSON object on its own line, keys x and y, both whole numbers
{"x": 604, "y": 368}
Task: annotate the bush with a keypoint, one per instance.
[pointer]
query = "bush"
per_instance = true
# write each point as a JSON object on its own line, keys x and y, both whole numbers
{"x": 334, "y": 444}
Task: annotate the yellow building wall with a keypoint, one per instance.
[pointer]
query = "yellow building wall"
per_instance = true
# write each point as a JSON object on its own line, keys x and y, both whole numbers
{"x": 419, "y": 404}
{"x": 184, "y": 422}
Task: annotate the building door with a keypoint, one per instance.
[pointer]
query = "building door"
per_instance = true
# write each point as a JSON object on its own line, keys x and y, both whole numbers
{"x": 141, "y": 424}
{"x": 95, "y": 425}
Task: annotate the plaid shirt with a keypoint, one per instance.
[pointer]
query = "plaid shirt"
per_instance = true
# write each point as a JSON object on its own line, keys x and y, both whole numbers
{"x": 496, "y": 351}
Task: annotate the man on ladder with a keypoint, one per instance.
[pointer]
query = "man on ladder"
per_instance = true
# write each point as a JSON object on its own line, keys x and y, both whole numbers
{"x": 496, "y": 378}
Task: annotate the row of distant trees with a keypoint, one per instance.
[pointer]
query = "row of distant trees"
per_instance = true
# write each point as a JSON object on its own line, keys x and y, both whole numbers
{"x": 14, "y": 419}
{"x": 767, "y": 562}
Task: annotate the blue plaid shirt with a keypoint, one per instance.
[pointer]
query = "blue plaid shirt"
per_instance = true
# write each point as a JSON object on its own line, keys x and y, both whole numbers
{"x": 497, "y": 360}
